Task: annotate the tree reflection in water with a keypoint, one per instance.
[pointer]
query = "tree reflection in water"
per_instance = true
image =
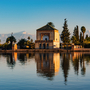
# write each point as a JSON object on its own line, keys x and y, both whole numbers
{"x": 75, "y": 62}
{"x": 48, "y": 64}
{"x": 76, "y": 59}
{"x": 22, "y": 58}
{"x": 11, "y": 60}
{"x": 65, "y": 65}
{"x": 83, "y": 70}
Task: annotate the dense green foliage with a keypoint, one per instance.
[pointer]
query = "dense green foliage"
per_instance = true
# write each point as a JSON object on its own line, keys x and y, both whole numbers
{"x": 11, "y": 39}
{"x": 76, "y": 33}
{"x": 65, "y": 35}
{"x": 86, "y": 36}
{"x": 30, "y": 44}
{"x": 5, "y": 46}
{"x": 75, "y": 37}
{"x": 88, "y": 39}
{"x": 23, "y": 43}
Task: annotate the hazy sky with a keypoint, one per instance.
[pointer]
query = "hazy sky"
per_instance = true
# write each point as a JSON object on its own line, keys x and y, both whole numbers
{"x": 29, "y": 15}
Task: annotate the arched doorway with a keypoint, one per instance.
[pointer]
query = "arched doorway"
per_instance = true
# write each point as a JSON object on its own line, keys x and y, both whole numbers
{"x": 39, "y": 46}
{"x": 47, "y": 46}
{"x": 44, "y": 46}
{"x": 45, "y": 37}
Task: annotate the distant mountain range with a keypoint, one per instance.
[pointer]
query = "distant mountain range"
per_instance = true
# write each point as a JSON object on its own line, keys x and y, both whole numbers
{"x": 18, "y": 36}
{"x": 24, "y": 34}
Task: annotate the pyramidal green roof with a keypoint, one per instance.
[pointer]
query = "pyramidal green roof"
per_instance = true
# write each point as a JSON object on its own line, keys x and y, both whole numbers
{"x": 47, "y": 27}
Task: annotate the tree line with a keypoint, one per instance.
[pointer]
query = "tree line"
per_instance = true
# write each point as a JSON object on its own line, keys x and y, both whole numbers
{"x": 22, "y": 43}
{"x": 77, "y": 39}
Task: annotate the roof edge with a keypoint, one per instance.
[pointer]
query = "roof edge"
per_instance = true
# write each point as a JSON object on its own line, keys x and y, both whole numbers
{"x": 47, "y": 29}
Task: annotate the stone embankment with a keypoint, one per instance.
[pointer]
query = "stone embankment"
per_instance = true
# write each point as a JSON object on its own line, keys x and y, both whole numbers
{"x": 48, "y": 50}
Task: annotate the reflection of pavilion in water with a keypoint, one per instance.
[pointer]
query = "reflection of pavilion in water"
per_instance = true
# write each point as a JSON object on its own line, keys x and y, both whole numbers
{"x": 48, "y": 64}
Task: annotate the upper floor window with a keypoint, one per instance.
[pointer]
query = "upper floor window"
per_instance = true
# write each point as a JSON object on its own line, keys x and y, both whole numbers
{"x": 45, "y": 37}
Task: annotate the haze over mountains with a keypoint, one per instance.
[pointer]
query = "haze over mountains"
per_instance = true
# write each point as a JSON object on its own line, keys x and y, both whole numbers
{"x": 18, "y": 36}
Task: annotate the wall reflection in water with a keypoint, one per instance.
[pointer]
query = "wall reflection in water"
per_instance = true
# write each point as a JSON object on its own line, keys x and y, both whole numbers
{"x": 48, "y": 64}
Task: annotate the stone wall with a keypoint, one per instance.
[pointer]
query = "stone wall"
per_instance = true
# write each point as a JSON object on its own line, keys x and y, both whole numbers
{"x": 56, "y": 44}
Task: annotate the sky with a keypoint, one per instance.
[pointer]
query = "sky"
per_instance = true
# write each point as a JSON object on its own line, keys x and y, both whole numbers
{"x": 29, "y": 15}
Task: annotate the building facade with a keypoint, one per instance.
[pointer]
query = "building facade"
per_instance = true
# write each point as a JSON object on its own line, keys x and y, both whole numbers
{"x": 47, "y": 37}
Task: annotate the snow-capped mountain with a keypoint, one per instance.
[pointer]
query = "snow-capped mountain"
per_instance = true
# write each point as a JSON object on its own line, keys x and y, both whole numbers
{"x": 18, "y": 36}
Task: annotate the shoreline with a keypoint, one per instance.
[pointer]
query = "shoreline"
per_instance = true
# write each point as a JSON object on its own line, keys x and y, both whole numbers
{"x": 48, "y": 50}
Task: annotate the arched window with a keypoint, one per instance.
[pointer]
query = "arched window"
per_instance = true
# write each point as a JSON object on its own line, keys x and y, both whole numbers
{"x": 45, "y": 37}
{"x": 47, "y": 46}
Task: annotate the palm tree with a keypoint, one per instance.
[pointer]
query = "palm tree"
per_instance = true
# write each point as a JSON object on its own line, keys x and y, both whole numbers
{"x": 31, "y": 40}
{"x": 28, "y": 38}
{"x": 83, "y": 29}
{"x": 11, "y": 39}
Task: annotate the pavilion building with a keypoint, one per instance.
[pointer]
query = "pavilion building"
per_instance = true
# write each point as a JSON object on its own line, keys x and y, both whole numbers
{"x": 47, "y": 37}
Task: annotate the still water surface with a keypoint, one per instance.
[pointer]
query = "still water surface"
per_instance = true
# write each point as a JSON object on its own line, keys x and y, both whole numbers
{"x": 45, "y": 71}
